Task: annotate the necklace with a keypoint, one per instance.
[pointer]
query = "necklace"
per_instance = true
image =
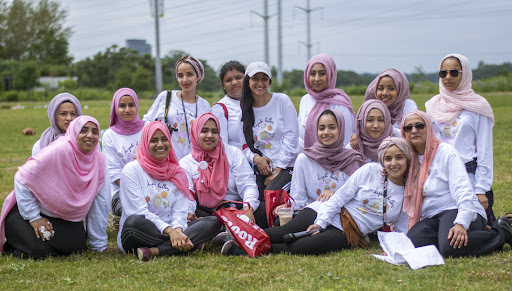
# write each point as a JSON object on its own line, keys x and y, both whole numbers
{"x": 185, "y": 113}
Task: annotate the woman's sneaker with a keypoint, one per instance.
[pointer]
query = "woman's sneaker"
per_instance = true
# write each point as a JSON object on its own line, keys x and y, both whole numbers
{"x": 231, "y": 248}
{"x": 222, "y": 238}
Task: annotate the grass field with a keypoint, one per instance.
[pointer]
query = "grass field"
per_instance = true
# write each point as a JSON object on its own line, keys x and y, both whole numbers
{"x": 211, "y": 271}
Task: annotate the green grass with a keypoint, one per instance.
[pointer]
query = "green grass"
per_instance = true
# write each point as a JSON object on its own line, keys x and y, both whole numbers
{"x": 211, "y": 271}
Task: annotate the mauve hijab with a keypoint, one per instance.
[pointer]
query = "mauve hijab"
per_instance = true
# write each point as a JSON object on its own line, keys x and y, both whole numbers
{"x": 330, "y": 95}
{"x": 195, "y": 63}
{"x": 116, "y": 123}
{"x": 53, "y": 132}
{"x": 335, "y": 157}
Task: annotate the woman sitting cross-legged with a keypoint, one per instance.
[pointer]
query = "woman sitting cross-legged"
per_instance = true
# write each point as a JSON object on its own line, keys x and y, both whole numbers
{"x": 155, "y": 196}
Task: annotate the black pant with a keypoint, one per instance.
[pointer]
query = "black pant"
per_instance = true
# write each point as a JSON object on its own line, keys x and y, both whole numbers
{"x": 281, "y": 181}
{"x": 434, "y": 231}
{"x": 491, "y": 219}
{"x": 117, "y": 207}
{"x": 22, "y": 242}
{"x": 140, "y": 232}
{"x": 329, "y": 240}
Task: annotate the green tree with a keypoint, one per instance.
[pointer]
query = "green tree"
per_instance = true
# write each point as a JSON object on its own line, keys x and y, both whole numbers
{"x": 26, "y": 76}
{"x": 141, "y": 80}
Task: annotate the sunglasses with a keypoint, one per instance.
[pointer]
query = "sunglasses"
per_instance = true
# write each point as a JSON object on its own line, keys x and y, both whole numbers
{"x": 418, "y": 126}
{"x": 453, "y": 72}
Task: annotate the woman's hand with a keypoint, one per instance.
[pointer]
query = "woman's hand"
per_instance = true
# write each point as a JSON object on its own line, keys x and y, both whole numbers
{"x": 41, "y": 226}
{"x": 250, "y": 213}
{"x": 353, "y": 142}
{"x": 483, "y": 200}
{"x": 325, "y": 195}
{"x": 178, "y": 239}
{"x": 312, "y": 227}
{"x": 459, "y": 236}
{"x": 276, "y": 210}
{"x": 271, "y": 177}
{"x": 263, "y": 165}
{"x": 191, "y": 217}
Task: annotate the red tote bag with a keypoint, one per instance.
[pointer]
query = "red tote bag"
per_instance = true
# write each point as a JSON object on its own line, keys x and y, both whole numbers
{"x": 247, "y": 234}
{"x": 274, "y": 198}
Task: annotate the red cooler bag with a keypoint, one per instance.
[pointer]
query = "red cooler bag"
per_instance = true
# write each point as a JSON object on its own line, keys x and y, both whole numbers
{"x": 247, "y": 234}
{"x": 274, "y": 198}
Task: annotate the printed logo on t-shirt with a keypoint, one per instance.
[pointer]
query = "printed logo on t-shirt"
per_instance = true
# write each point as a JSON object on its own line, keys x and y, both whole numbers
{"x": 181, "y": 126}
{"x": 264, "y": 132}
{"x": 373, "y": 203}
{"x": 159, "y": 196}
{"x": 447, "y": 131}
{"x": 128, "y": 154}
{"x": 328, "y": 181}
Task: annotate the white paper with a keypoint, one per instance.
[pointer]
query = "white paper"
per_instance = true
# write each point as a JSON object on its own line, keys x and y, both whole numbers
{"x": 400, "y": 250}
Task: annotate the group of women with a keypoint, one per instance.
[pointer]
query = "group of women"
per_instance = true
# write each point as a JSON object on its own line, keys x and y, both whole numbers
{"x": 388, "y": 166}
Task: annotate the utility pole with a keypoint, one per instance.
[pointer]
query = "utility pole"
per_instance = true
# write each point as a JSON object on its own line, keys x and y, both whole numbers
{"x": 308, "y": 11}
{"x": 158, "y": 64}
{"x": 279, "y": 45}
{"x": 265, "y": 19}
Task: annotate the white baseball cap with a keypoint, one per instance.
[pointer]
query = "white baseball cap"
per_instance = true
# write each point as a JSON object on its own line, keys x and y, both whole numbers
{"x": 257, "y": 67}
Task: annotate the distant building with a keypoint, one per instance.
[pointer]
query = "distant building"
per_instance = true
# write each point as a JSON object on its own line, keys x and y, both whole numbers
{"x": 139, "y": 45}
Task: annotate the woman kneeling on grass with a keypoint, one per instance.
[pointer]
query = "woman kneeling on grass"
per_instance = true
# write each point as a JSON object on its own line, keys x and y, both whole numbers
{"x": 155, "y": 198}
{"x": 54, "y": 192}
{"x": 371, "y": 197}
{"x": 443, "y": 208}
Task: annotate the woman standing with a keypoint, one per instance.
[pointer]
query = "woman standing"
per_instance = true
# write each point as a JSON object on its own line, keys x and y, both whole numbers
{"x": 442, "y": 206}
{"x": 228, "y": 110}
{"x": 320, "y": 81}
{"x": 61, "y": 111}
{"x": 54, "y": 192}
{"x": 465, "y": 119}
{"x": 155, "y": 199}
{"x": 119, "y": 142}
{"x": 184, "y": 105}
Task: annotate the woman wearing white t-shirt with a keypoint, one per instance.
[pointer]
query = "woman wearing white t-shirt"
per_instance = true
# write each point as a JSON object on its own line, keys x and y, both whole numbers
{"x": 228, "y": 110}
{"x": 270, "y": 132}
{"x": 443, "y": 208}
{"x": 184, "y": 105}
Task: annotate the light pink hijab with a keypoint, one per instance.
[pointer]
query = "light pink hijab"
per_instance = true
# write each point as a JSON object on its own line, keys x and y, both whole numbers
{"x": 330, "y": 95}
{"x": 212, "y": 184}
{"x": 413, "y": 196}
{"x": 116, "y": 123}
{"x": 64, "y": 179}
{"x": 167, "y": 169}
{"x": 446, "y": 107}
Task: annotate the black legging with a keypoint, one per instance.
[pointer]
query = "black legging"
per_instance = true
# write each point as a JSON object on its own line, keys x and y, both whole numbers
{"x": 22, "y": 242}
{"x": 117, "y": 207}
{"x": 140, "y": 232}
{"x": 434, "y": 231}
{"x": 329, "y": 240}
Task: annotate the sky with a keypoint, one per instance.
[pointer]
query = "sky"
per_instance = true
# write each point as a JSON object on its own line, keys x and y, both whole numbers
{"x": 365, "y": 36}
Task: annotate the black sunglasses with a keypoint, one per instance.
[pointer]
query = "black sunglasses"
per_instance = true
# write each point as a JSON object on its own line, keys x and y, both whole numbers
{"x": 419, "y": 126}
{"x": 453, "y": 72}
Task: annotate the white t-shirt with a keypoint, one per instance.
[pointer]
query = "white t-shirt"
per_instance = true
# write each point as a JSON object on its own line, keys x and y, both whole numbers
{"x": 276, "y": 131}
{"x": 362, "y": 196}
{"x": 119, "y": 150}
{"x": 176, "y": 118}
{"x": 229, "y": 128}
{"x": 471, "y": 135}
{"x": 448, "y": 187}
{"x": 97, "y": 218}
{"x": 36, "y": 147}
{"x": 242, "y": 182}
{"x": 309, "y": 180}
{"x": 161, "y": 202}
{"x": 306, "y": 104}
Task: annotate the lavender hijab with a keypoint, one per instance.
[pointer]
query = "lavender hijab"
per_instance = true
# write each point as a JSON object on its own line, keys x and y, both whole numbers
{"x": 53, "y": 132}
{"x": 402, "y": 87}
{"x": 335, "y": 157}
{"x": 368, "y": 146}
{"x": 330, "y": 95}
{"x": 116, "y": 123}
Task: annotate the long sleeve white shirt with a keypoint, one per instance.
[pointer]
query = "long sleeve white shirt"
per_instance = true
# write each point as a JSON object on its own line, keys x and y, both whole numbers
{"x": 241, "y": 184}
{"x": 471, "y": 135}
{"x": 276, "y": 131}
{"x": 229, "y": 128}
{"x": 362, "y": 196}
{"x": 176, "y": 118}
{"x": 160, "y": 202}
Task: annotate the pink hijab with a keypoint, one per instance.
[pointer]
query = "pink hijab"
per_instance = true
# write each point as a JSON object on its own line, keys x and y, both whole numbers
{"x": 167, "y": 169}
{"x": 116, "y": 123}
{"x": 402, "y": 86}
{"x": 195, "y": 63}
{"x": 212, "y": 184}
{"x": 369, "y": 146}
{"x": 336, "y": 157}
{"x": 53, "y": 132}
{"x": 64, "y": 179}
{"x": 399, "y": 142}
{"x": 446, "y": 107}
{"x": 330, "y": 95}
{"x": 413, "y": 196}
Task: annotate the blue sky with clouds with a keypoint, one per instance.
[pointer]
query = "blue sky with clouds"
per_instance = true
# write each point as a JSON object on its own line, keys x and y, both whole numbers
{"x": 363, "y": 36}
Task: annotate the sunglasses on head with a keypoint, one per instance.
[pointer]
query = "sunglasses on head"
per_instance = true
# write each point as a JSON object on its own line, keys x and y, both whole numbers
{"x": 453, "y": 72}
{"x": 419, "y": 126}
